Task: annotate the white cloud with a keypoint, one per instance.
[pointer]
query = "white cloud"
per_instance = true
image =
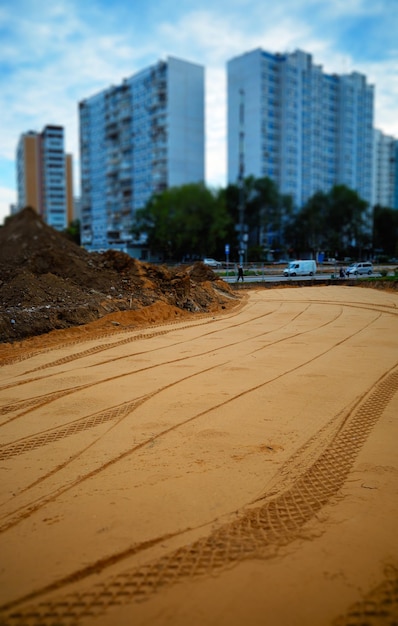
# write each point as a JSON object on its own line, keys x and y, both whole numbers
{"x": 385, "y": 78}
{"x": 216, "y": 127}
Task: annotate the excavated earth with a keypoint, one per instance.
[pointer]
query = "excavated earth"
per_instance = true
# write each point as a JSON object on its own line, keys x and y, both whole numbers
{"x": 47, "y": 283}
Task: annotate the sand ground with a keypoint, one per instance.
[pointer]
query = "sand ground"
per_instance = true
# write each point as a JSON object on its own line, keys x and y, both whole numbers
{"x": 239, "y": 468}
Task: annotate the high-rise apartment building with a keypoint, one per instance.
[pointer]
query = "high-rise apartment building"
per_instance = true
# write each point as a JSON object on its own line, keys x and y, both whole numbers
{"x": 395, "y": 204}
{"x": 304, "y": 129}
{"x": 385, "y": 170}
{"x": 44, "y": 176}
{"x": 136, "y": 139}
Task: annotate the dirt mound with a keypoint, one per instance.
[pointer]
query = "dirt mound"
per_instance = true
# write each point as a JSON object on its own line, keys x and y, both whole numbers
{"x": 47, "y": 282}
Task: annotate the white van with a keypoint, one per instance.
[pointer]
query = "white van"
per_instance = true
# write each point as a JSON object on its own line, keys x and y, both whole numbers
{"x": 300, "y": 268}
{"x": 360, "y": 268}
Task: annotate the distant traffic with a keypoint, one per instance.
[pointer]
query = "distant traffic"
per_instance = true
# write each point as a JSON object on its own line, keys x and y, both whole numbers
{"x": 295, "y": 270}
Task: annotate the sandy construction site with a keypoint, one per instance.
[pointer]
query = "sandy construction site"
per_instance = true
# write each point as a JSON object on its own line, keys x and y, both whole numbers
{"x": 229, "y": 468}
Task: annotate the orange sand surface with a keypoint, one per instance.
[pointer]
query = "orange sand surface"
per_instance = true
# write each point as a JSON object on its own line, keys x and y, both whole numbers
{"x": 239, "y": 468}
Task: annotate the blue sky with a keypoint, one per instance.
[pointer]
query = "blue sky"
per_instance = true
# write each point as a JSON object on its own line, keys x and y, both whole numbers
{"x": 53, "y": 55}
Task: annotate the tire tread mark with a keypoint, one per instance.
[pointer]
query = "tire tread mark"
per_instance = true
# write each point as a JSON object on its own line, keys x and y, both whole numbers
{"x": 256, "y": 533}
{"x": 72, "y": 428}
{"x": 30, "y": 509}
{"x": 140, "y": 336}
{"x": 16, "y": 405}
{"x": 379, "y": 606}
{"x": 119, "y": 412}
{"x": 28, "y": 355}
{"x": 103, "y": 335}
{"x": 34, "y": 403}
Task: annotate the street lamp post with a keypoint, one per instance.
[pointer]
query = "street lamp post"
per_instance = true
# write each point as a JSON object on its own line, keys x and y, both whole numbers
{"x": 241, "y": 175}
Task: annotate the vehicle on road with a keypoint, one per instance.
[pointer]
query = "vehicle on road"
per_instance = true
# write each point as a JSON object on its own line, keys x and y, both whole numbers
{"x": 212, "y": 263}
{"x": 300, "y": 268}
{"x": 360, "y": 268}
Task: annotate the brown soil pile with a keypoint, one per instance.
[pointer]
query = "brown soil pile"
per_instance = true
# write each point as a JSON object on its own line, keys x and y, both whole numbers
{"x": 48, "y": 282}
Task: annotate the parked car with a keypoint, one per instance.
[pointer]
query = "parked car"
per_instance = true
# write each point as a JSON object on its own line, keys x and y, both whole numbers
{"x": 212, "y": 263}
{"x": 360, "y": 268}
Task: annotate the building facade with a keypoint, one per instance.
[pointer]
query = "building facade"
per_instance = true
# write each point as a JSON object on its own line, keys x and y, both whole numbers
{"x": 385, "y": 170}
{"x": 44, "y": 176}
{"x": 137, "y": 139}
{"x": 304, "y": 129}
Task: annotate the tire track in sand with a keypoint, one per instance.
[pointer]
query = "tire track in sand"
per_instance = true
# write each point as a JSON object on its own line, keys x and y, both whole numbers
{"x": 119, "y": 413}
{"x": 378, "y": 608}
{"x": 200, "y": 318}
{"x": 111, "y": 345}
{"x": 25, "y": 406}
{"x": 257, "y": 532}
{"x": 18, "y": 515}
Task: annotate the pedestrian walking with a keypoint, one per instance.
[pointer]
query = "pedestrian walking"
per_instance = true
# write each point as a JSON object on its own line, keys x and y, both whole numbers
{"x": 240, "y": 273}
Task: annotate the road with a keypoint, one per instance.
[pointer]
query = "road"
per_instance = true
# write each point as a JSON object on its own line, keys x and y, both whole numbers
{"x": 268, "y": 277}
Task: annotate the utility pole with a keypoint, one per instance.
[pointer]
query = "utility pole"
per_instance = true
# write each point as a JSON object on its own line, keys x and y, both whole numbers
{"x": 241, "y": 175}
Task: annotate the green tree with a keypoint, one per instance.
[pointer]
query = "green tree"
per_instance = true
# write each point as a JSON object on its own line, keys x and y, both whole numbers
{"x": 332, "y": 222}
{"x": 186, "y": 220}
{"x": 73, "y": 231}
{"x": 309, "y": 228}
{"x": 385, "y": 230}
{"x": 264, "y": 210}
{"x": 347, "y": 220}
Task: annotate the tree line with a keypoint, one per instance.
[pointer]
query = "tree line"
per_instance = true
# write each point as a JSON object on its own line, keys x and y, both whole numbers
{"x": 193, "y": 221}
